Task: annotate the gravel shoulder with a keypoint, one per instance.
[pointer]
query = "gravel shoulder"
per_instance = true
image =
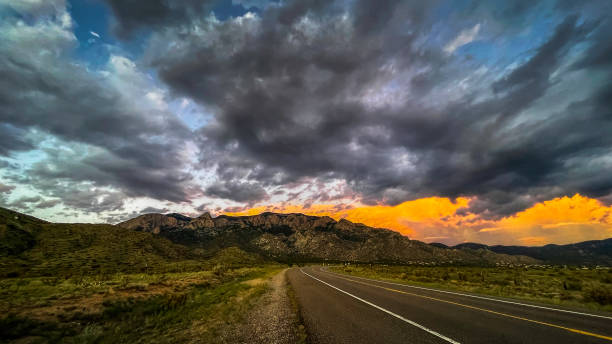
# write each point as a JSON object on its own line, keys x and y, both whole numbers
{"x": 273, "y": 319}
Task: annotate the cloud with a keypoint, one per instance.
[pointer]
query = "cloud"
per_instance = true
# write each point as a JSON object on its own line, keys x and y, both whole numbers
{"x": 237, "y": 191}
{"x": 262, "y": 4}
{"x": 398, "y": 217}
{"x": 106, "y": 169}
{"x": 24, "y": 202}
{"x": 560, "y": 220}
{"x": 13, "y": 139}
{"x": 100, "y": 126}
{"x": 6, "y": 188}
{"x": 375, "y": 100}
{"x": 599, "y": 51}
{"x": 48, "y": 204}
{"x": 464, "y": 37}
{"x": 327, "y": 92}
{"x": 149, "y": 210}
{"x": 132, "y": 16}
{"x": 36, "y": 7}
{"x": 540, "y": 66}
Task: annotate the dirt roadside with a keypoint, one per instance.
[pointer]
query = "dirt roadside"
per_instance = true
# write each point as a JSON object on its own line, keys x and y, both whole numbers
{"x": 273, "y": 320}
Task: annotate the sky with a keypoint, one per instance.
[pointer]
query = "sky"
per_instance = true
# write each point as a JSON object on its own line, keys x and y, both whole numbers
{"x": 448, "y": 121}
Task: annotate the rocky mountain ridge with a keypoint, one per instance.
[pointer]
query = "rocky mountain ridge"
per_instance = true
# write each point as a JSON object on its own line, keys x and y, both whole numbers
{"x": 302, "y": 237}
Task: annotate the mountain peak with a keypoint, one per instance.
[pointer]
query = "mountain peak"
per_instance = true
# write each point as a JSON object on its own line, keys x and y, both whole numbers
{"x": 304, "y": 237}
{"x": 179, "y": 217}
{"x": 205, "y": 216}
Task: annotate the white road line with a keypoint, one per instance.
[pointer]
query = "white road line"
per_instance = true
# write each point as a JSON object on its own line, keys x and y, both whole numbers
{"x": 385, "y": 310}
{"x": 474, "y": 296}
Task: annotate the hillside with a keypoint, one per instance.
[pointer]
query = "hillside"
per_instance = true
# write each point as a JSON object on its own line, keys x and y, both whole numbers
{"x": 85, "y": 283}
{"x": 298, "y": 237}
{"x": 33, "y": 247}
{"x": 594, "y": 252}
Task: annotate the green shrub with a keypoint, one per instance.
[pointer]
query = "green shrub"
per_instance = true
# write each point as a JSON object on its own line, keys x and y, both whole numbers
{"x": 572, "y": 284}
{"x": 13, "y": 327}
{"x": 219, "y": 270}
{"x": 599, "y": 294}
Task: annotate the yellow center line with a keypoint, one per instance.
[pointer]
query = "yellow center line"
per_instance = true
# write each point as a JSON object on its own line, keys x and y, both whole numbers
{"x": 483, "y": 310}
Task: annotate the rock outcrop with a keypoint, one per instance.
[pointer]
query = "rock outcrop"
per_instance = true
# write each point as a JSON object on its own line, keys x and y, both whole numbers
{"x": 303, "y": 237}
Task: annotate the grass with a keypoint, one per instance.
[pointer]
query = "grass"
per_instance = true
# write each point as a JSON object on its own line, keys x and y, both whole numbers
{"x": 589, "y": 289}
{"x": 83, "y": 249}
{"x": 84, "y": 283}
{"x": 129, "y": 308}
{"x": 31, "y": 248}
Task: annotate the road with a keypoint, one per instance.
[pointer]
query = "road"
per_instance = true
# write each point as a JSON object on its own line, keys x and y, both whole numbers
{"x": 347, "y": 309}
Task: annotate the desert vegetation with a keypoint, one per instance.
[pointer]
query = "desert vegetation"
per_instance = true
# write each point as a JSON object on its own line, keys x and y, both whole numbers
{"x": 128, "y": 308}
{"x": 581, "y": 287}
{"x": 81, "y": 283}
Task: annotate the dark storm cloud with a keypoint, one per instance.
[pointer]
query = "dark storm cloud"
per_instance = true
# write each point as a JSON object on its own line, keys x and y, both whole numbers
{"x": 48, "y": 204}
{"x": 289, "y": 89}
{"x": 485, "y": 155}
{"x": 82, "y": 196}
{"x": 121, "y": 142}
{"x": 149, "y": 210}
{"x": 539, "y": 67}
{"x": 6, "y": 188}
{"x": 25, "y": 202}
{"x": 599, "y": 54}
{"x": 270, "y": 78}
{"x": 104, "y": 169}
{"x": 90, "y": 200}
{"x": 132, "y": 15}
{"x": 237, "y": 190}
{"x": 13, "y": 139}
{"x": 362, "y": 93}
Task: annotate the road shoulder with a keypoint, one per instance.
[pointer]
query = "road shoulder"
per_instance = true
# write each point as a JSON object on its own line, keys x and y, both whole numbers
{"x": 273, "y": 320}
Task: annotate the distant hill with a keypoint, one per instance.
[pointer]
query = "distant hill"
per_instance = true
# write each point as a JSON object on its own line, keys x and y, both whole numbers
{"x": 17, "y": 232}
{"x": 33, "y": 247}
{"x": 594, "y": 252}
{"x": 471, "y": 246}
{"x": 438, "y": 245}
{"x": 298, "y": 237}
{"x": 30, "y": 246}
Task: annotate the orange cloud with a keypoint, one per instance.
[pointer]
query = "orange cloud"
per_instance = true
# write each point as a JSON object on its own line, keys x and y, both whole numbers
{"x": 399, "y": 217}
{"x": 563, "y": 211}
{"x": 560, "y": 220}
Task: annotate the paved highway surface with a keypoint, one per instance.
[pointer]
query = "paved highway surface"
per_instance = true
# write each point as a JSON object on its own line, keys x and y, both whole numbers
{"x": 347, "y": 309}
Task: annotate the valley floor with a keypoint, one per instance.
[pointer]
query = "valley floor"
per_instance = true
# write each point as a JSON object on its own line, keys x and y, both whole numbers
{"x": 250, "y": 304}
{"x": 242, "y": 305}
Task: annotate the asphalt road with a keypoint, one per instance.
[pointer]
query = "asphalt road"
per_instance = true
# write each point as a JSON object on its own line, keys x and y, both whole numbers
{"x": 347, "y": 309}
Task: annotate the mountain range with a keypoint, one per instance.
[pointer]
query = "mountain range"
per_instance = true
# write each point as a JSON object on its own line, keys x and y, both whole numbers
{"x": 593, "y": 252}
{"x": 303, "y": 237}
{"x": 148, "y": 238}
{"x": 34, "y": 247}
{"x": 298, "y": 237}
